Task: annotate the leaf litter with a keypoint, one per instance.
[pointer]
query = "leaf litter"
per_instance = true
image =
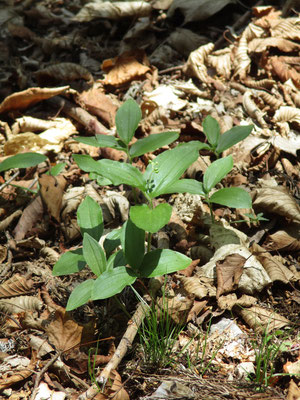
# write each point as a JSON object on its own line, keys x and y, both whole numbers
{"x": 64, "y": 83}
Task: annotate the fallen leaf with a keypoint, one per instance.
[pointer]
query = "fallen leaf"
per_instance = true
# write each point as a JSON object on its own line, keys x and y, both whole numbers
{"x": 229, "y": 272}
{"x": 52, "y": 190}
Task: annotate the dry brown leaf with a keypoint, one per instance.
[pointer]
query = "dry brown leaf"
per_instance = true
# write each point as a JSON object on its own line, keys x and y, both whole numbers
{"x": 283, "y": 70}
{"x": 229, "y": 272}
{"x": 195, "y": 65}
{"x": 259, "y": 319}
{"x": 15, "y": 286}
{"x": 125, "y": 68}
{"x": 199, "y": 287}
{"x": 281, "y": 240}
{"x": 32, "y": 213}
{"x": 12, "y": 376}
{"x": 98, "y": 103}
{"x": 228, "y": 301}
{"x": 25, "y": 142}
{"x": 275, "y": 269}
{"x": 52, "y": 190}
{"x": 259, "y": 45}
{"x": 293, "y": 392}
{"x": 114, "y": 11}
{"x": 62, "y": 72}
{"x": 177, "y": 308}
{"x": 277, "y": 200}
{"x": 29, "y": 97}
{"x": 15, "y": 305}
{"x": 63, "y": 332}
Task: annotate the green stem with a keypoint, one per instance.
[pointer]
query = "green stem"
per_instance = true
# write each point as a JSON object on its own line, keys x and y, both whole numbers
{"x": 115, "y": 297}
{"x": 211, "y": 210}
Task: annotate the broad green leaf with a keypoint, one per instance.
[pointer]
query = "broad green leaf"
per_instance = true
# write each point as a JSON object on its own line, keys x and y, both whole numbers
{"x": 80, "y": 295}
{"x": 185, "y": 186}
{"x": 163, "y": 261}
{"x": 233, "y": 136}
{"x": 100, "y": 140}
{"x": 23, "y": 160}
{"x": 117, "y": 259}
{"x": 211, "y": 129}
{"x": 112, "y": 241}
{"x": 127, "y": 119}
{"x": 151, "y": 220}
{"x": 70, "y": 262}
{"x": 119, "y": 173}
{"x": 133, "y": 243}
{"x": 89, "y": 218}
{"x": 168, "y": 167}
{"x": 100, "y": 179}
{"x": 232, "y": 197}
{"x": 93, "y": 254}
{"x": 216, "y": 172}
{"x": 86, "y": 163}
{"x": 56, "y": 169}
{"x": 112, "y": 282}
{"x": 152, "y": 142}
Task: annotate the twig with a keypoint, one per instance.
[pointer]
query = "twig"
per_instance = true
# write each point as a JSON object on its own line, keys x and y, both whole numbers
{"x": 79, "y": 114}
{"x": 40, "y": 374}
{"x": 9, "y": 180}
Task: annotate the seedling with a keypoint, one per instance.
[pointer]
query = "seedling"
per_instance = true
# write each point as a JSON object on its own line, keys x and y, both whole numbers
{"x": 116, "y": 270}
{"x": 252, "y": 218}
{"x": 219, "y": 143}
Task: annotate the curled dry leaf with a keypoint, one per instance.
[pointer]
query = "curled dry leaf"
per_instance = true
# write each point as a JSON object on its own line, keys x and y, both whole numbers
{"x": 62, "y": 72}
{"x": 114, "y": 11}
{"x": 270, "y": 99}
{"x": 259, "y": 84}
{"x": 221, "y": 61}
{"x": 252, "y": 109}
{"x": 26, "y": 142}
{"x": 15, "y": 286}
{"x": 281, "y": 240}
{"x": 283, "y": 70}
{"x": 287, "y": 114}
{"x": 198, "y": 286}
{"x": 227, "y": 302}
{"x": 195, "y": 65}
{"x": 29, "y": 97}
{"x": 20, "y": 304}
{"x": 125, "y": 68}
{"x": 276, "y": 200}
{"x": 274, "y": 267}
{"x": 52, "y": 190}
{"x": 177, "y": 308}
{"x": 229, "y": 272}
{"x": 259, "y": 319}
{"x": 259, "y": 45}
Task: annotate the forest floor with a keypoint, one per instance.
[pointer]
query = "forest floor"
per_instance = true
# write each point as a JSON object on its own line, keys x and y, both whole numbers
{"x": 227, "y": 326}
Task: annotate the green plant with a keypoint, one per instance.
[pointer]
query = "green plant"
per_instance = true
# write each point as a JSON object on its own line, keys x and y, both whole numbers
{"x": 218, "y": 143}
{"x": 267, "y": 348}
{"x": 116, "y": 270}
{"x": 158, "y": 333}
{"x": 23, "y": 160}
{"x": 252, "y": 218}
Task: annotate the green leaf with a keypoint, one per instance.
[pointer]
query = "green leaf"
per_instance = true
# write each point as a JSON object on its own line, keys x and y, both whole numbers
{"x": 152, "y": 143}
{"x": 89, "y": 218}
{"x": 93, "y": 254}
{"x": 80, "y": 295}
{"x": 112, "y": 282}
{"x": 168, "y": 167}
{"x": 23, "y": 160}
{"x": 100, "y": 179}
{"x": 119, "y": 173}
{"x": 216, "y": 172}
{"x": 101, "y": 140}
{"x": 185, "y": 186}
{"x": 112, "y": 241}
{"x": 151, "y": 220}
{"x": 211, "y": 129}
{"x": 163, "y": 261}
{"x": 117, "y": 259}
{"x": 127, "y": 119}
{"x": 56, "y": 169}
{"x": 70, "y": 262}
{"x": 133, "y": 243}
{"x": 232, "y": 197}
{"x": 233, "y": 136}
{"x": 86, "y": 163}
